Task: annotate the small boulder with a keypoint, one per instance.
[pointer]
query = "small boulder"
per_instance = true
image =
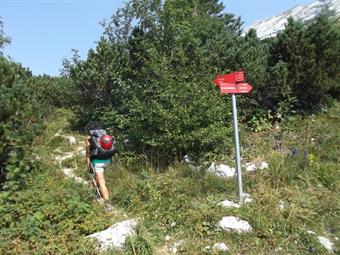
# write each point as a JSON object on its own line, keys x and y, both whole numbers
{"x": 116, "y": 235}
{"x": 250, "y": 167}
{"x": 231, "y": 223}
{"x": 246, "y": 198}
{"x": 71, "y": 140}
{"x": 229, "y": 204}
{"x": 263, "y": 165}
{"x": 176, "y": 246}
{"x": 328, "y": 244}
{"x": 325, "y": 242}
{"x": 221, "y": 170}
{"x": 282, "y": 205}
{"x": 220, "y": 247}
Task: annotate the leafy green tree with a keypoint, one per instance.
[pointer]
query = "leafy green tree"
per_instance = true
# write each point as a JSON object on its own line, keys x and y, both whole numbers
{"x": 294, "y": 49}
{"x": 59, "y": 92}
{"x": 150, "y": 76}
{"x": 252, "y": 58}
{"x": 311, "y": 55}
{"x": 325, "y": 37}
{"x": 19, "y": 119}
{"x": 24, "y": 102}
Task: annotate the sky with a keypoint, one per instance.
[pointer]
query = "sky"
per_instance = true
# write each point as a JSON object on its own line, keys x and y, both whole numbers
{"x": 44, "y": 32}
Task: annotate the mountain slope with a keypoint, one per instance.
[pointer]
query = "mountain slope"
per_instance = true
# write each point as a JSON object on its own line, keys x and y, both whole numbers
{"x": 179, "y": 210}
{"x": 271, "y": 26}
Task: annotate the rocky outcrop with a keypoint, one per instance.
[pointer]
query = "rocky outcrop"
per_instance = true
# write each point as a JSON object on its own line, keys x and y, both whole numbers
{"x": 271, "y": 26}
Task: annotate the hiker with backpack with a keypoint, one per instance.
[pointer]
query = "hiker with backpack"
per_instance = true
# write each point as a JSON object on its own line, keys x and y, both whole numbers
{"x": 100, "y": 147}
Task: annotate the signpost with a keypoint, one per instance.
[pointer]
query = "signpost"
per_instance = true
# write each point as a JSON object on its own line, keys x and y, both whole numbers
{"x": 233, "y": 83}
{"x": 229, "y": 78}
{"x": 235, "y": 88}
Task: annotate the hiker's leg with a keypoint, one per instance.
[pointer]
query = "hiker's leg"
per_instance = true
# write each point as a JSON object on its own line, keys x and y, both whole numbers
{"x": 102, "y": 186}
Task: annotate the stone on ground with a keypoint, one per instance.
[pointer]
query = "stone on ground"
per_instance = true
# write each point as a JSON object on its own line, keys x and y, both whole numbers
{"x": 221, "y": 170}
{"x": 229, "y": 204}
{"x": 176, "y": 246}
{"x": 220, "y": 247}
{"x": 116, "y": 235}
{"x": 247, "y": 198}
{"x": 282, "y": 205}
{"x": 250, "y": 167}
{"x": 67, "y": 155}
{"x": 231, "y": 223}
{"x": 325, "y": 242}
{"x": 328, "y": 244}
{"x": 263, "y": 165}
{"x": 71, "y": 139}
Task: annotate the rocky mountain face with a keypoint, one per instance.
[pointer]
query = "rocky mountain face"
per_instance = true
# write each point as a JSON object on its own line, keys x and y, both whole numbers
{"x": 271, "y": 26}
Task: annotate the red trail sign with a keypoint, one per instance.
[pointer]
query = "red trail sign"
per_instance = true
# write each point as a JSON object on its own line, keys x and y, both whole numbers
{"x": 229, "y": 78}
{"x": 235, "y": 88}
{"x": 234, "y": 83}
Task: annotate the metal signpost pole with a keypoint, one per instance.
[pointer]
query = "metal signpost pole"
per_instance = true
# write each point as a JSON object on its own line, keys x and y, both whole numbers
{"x": 232, "y": 84}
{"x": 237, "y": 149}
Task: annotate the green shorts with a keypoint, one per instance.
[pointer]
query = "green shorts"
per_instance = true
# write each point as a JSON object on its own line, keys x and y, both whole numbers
{"x": 99, "y": 165}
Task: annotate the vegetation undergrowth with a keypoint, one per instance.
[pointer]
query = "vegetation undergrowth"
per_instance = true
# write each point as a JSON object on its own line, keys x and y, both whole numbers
{"x": 52, "y": 214}
{"x": 181, "y": 203}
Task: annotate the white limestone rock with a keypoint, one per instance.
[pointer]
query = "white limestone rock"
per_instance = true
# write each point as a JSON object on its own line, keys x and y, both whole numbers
{"x": 263, "y": 165}
{"x": 82, "y": 152}
{"x": 69, "y": 173}
{"x": 282, "y": 205}
{"x": 229, "y": 204}
{"x": 328, "y": 244}
{"x": 61, "y": 158}
{"x": 176, "y": 246}
{"x": 207, "y": 248}
{"x": 80, "y": 180}
{"x": 311, "y": 232}
{"x": 221, "y": 170}
{"x": 325, "y": 242}
{"x": 71, "y": 139}
{"x": 231, "y": 223}
{"x": 220, "y": 247}
{"x": 250, "y": 167}
{"x": 116, "y": 235}
{"x": 246, "y": 198}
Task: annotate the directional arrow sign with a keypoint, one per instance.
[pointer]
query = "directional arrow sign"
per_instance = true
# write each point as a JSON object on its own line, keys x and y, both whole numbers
{"x": 229, "y": 78}
{"x": 244, "y": 88}
{"x": 228, "y": 88}
{"x": 234, "y": 77}
{"x": 219, "y": 78}
{"x": 235, "y": 88}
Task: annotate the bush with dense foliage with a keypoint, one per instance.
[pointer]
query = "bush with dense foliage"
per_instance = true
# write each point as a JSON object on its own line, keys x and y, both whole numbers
{"x": 20, "y": 119}
{"x": 154, "y": 85}
{"x": 25, "y": 102}
{"x": 311, "y": 56}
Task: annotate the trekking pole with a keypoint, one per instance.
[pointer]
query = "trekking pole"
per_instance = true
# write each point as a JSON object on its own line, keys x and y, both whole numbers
{"x": 94, "y": 183}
